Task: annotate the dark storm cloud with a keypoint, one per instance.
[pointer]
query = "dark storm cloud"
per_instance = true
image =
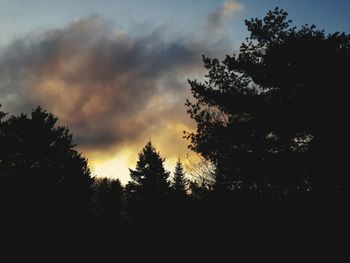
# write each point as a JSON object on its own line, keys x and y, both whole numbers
{"x": 108, "y": 87}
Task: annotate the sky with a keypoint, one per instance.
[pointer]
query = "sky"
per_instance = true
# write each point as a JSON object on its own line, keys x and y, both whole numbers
{"x": 115, "y": 72}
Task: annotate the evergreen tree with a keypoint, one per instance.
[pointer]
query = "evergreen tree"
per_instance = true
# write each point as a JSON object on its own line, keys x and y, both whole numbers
{"x": 261, "y": 113}
{"x": 45, "y": 184}
{"x": 179, "y": 183}
{"x": 150, "y": 177}
{"x": 147, "y": 198}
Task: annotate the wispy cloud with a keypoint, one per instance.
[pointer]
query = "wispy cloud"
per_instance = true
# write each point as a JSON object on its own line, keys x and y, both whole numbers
{"x": 229, "y": 7}
{"x": 217, "y": 17}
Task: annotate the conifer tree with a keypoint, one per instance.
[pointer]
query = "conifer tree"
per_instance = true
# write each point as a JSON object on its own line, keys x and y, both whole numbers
{"x": 260, "y": 113}
{"x": 150, "y": 178}
{"x": 179, "y": 183}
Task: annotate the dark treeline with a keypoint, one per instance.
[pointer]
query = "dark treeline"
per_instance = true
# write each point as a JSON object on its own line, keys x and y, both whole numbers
{"x": 267, "y": 125}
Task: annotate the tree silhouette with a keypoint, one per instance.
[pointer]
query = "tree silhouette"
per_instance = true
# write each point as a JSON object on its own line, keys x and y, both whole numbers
{"x": 2, "y": 114}
{"x": 260, "y": 114}
{"x": 108, "y": 209}
{"x": 45, "y": 183}
{"x": 179, "y": 183}
{"x": 150, "y": 177}
{"x": 147, "y": 198}
{"x": 35, "y": 144}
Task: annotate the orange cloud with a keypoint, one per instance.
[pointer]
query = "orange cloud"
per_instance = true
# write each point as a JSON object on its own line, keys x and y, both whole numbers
{"x": 229, "y": 7}
{"x": 216, "y": 19}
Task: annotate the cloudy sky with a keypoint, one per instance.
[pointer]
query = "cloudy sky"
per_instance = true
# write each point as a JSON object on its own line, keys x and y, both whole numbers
{"x": 115, "y": 71}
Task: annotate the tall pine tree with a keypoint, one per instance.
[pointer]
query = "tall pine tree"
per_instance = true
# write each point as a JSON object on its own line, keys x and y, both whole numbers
{"x": 179, "y": 183}
{"x": 147, "y": 196}
{"x": 150, "y": 177}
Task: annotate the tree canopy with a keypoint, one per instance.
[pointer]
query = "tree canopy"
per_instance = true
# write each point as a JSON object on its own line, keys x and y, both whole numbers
{"x": 45, "y": 184}
{"x": 36, "y": 145}
{"x": 261, "y": 113}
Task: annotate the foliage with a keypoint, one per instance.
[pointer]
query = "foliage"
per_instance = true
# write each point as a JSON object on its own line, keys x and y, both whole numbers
{"x": 150, "y": 178}
{"x": 261, "y": 114}
{"x": 179, "y": 183}
{"x": 45, "y": 184}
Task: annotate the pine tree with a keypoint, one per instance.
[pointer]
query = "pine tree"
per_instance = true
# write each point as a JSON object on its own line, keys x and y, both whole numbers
{"x": 179, "y": 184}
{"x": 150, "y": 177}
{"x": 261, "y": 113}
